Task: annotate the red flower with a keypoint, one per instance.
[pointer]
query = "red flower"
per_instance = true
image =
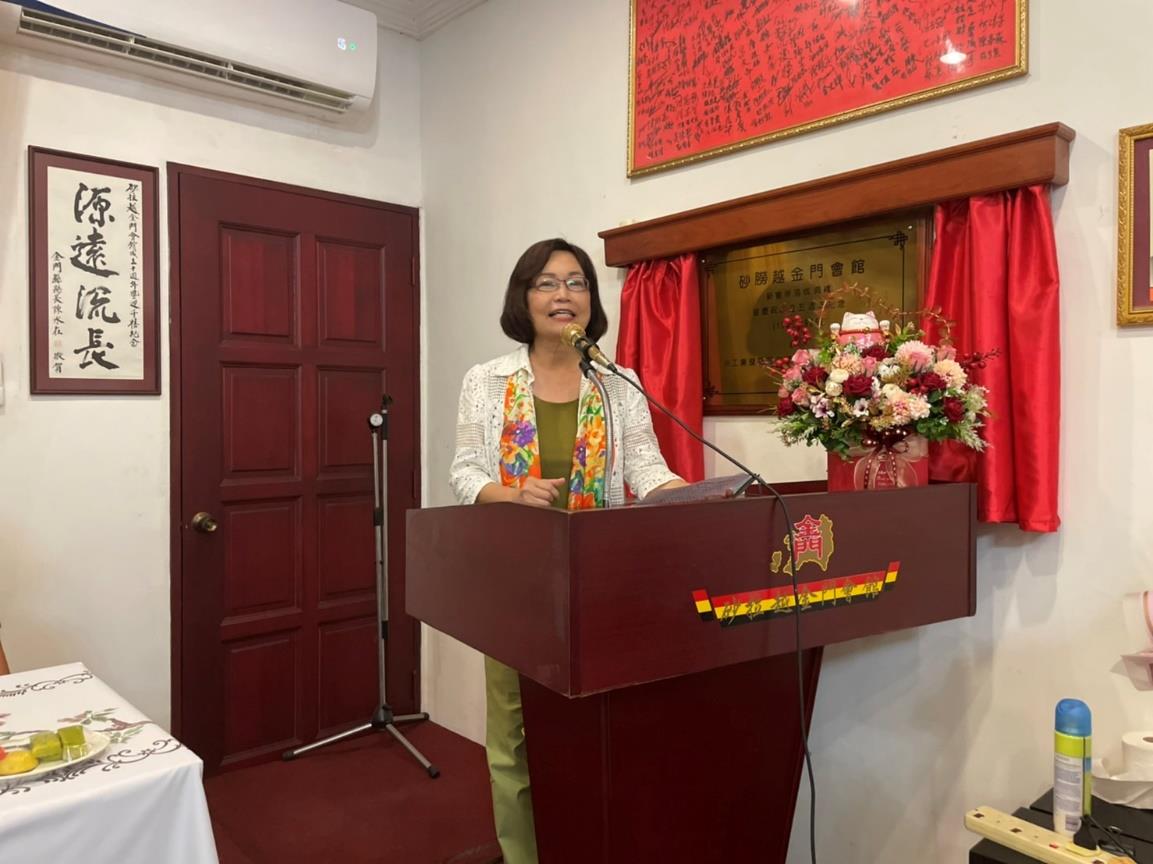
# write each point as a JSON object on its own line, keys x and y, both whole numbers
{"x": 785, "y": 406}
{"x": 954, "y": 409}
{"x": 926, "y": 383}
{"x": 877, "y": 352}
{"x": 815, "y": 375}
{"x": 858, "y": 385}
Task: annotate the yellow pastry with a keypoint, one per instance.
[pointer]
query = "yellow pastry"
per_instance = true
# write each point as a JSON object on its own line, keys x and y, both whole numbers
{"x": 17, "y": 762}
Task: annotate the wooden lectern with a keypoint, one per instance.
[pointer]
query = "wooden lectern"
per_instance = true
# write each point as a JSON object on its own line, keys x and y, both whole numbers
{"x": 656, "y": 647}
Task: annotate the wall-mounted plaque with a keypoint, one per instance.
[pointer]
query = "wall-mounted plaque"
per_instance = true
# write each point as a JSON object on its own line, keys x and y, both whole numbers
{"x": 746, "y": 294}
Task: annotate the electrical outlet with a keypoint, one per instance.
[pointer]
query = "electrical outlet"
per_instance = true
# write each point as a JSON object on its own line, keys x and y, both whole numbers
{"x": 1033, "y": 840}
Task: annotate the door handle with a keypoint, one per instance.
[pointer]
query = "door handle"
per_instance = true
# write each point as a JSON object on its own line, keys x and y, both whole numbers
{"x": 204, "y": 523}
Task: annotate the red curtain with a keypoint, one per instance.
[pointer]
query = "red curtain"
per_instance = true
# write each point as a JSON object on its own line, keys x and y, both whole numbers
{"x": 994, "y": 274}
{"x": 660, "y": 338}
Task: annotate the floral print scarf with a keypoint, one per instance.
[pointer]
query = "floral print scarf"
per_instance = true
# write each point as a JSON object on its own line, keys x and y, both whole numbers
{"x": 520, "y": 451}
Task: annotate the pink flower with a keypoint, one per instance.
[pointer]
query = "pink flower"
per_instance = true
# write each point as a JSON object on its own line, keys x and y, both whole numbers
{"x": 946, "y": 352}
{"x": 851, "y": 363}
{"x": 916, "y": 355}
{"x": 783, "y": 392}
{"x": 801, "y": 396}
{"x": 870, "y": 365}
{"x": 800, "y": 357}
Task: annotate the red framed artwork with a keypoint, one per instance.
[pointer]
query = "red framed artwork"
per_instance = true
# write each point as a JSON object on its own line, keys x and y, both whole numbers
{"x": 1134, "y": 227}
{"x": 92, "y": 265}
{"x": 707, "y": 79}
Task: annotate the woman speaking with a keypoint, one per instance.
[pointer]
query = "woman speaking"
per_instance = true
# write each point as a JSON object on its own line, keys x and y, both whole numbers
{"x": 531, "y": 430}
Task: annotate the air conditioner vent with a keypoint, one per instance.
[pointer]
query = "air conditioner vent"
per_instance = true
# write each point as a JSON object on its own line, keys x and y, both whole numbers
{"x": 110, "y": 41}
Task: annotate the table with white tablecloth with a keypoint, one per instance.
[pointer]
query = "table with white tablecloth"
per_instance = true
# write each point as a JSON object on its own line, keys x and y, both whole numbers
{"x": 141, "y": 801}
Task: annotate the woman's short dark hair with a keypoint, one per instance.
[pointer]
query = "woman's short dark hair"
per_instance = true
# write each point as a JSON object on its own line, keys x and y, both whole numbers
{"x": 515, "y": 320}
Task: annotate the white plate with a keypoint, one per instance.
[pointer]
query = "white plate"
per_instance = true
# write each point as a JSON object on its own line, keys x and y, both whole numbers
{"x": 97, "y": 743}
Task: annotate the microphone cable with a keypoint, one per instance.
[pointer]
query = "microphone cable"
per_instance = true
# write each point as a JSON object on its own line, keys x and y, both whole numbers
{"x": 802, "y": 713}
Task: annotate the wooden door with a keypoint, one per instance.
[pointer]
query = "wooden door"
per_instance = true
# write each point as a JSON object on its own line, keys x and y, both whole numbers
{"x": 294, "y": 311}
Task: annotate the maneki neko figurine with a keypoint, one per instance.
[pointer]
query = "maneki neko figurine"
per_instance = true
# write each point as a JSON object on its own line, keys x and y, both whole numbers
{"x": 860, "y": 328}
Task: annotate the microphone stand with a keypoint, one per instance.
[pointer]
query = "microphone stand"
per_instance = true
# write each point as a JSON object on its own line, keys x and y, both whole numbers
{"x": 793, "y": 573}
{"x": 595, "y": 380}
{"x": 383, "y": 718}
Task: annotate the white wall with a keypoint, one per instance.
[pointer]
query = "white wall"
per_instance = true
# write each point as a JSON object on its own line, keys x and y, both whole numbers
{"x": 524, "y": 134}
{"x": 84, "y": 482}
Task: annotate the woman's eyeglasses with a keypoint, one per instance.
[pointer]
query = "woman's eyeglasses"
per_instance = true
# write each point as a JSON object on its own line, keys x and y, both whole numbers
{"x": 576, "y": 284}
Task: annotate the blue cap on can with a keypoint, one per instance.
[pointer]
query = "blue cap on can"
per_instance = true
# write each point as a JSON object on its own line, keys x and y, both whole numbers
{"x": 1073, "y": 718}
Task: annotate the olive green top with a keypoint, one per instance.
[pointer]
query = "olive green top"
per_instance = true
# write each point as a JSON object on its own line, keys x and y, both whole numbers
{"x": 556, "y": 425}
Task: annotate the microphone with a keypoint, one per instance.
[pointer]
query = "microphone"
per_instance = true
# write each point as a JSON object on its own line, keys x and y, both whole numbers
{"x": 574, "y": 335}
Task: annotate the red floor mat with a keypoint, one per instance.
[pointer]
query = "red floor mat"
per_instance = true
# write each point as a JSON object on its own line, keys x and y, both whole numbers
{"x": 364, "y": 800}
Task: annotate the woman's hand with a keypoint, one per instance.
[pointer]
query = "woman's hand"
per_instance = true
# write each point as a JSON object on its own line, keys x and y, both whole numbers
{"x": 535, "y": 492}
{"x": 538, "y": 493}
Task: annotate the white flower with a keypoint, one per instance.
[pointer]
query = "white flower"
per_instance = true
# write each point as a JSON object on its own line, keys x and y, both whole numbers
{"x": 888, "y": 370}
{"x": 861, "y": 408}
{"x": 918, "y": 407}
{"x": 839, "y": 376}
{"x": 952, "y": 372}
{"x": 975, "y": 399}
{"x": 833, "y": 388}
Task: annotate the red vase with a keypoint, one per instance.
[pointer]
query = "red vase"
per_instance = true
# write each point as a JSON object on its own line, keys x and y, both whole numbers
{"x": 903, "y": 464}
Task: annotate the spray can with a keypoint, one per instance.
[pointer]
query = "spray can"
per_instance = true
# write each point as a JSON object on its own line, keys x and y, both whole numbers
{"x": 1072, "y": 771}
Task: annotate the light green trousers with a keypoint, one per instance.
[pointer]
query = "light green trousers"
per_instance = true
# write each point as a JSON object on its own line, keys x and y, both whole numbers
{"x": 508, "y": 764}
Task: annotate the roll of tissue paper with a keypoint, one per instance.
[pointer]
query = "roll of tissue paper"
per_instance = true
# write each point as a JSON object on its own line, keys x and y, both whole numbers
{"x": 1131, "y": 782}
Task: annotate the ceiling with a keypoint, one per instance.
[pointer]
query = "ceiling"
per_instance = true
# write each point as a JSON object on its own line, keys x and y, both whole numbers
{"x": 416, "y": 18}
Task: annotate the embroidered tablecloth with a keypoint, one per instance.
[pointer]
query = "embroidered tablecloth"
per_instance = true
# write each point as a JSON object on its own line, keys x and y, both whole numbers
{"x": 140, "y": 802}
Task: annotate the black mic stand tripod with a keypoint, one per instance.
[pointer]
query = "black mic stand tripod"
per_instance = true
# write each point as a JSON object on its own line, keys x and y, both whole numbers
{"x": 383, "y": 718}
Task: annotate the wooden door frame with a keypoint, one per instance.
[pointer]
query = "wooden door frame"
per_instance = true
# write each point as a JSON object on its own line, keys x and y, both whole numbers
{"x": 176, "y": 170}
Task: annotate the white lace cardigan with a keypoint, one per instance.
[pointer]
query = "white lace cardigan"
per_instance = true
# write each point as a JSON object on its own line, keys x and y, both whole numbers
{"x": 480, "y": 421}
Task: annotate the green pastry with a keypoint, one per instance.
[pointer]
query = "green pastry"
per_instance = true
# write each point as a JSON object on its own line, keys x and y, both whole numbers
{"x": 71, "y": 736}
{"x": 46, "y": 747}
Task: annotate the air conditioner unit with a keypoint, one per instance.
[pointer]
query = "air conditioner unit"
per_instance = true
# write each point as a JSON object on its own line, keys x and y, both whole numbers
{"x": 318, "y": 56}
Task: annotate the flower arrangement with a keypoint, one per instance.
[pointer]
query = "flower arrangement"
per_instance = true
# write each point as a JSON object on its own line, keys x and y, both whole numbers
{"x": 866, "y": 384}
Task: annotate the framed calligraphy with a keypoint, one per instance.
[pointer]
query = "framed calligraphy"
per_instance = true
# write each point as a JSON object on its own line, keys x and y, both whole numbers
{"x": 1134, "y": 227}
{"x": 93, "y": 275}
{"x": 707, "y": 79}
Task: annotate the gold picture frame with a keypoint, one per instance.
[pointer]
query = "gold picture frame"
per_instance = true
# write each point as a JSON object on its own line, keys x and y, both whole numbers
{"x": 1134, "y": 227}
